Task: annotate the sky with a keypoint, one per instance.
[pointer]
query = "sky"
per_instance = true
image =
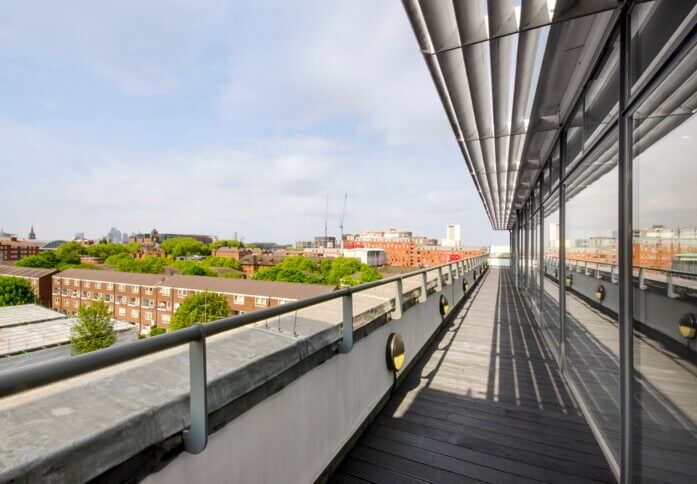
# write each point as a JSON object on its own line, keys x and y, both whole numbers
{"x": 224, "y": 117}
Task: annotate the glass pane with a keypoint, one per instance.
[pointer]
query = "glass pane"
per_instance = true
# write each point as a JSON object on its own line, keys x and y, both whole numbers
{"x": 665, "y": 293}
{"x": 602, "y": 97}
{"x": 535, "y": 276}
{"x": 592, "y": 332}
{"x": 656, "y": 24}
{"x": 550, "y": 294}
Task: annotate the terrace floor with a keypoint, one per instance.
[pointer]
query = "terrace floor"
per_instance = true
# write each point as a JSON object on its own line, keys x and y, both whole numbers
{"x": 486, "y": 403}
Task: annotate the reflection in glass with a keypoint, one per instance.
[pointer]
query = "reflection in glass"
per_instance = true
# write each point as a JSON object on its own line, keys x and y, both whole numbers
{"x": 665, "y": 260}
{"x": 591, "y": 250}
{"x": 654, "y": 25}
{"x": 550, "y": 295}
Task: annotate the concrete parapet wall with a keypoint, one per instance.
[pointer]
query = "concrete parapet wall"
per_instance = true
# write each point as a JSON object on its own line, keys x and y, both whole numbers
{"x": 282, "y": 401}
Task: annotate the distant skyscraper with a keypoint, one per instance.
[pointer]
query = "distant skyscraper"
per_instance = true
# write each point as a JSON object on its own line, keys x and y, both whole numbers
{"x": 114, "y": 235}
{"x": 80, "y": 236}
{"x": 124, "y": 238}
{"x": 452, "y": 236}
{"x": 32, "y": 235}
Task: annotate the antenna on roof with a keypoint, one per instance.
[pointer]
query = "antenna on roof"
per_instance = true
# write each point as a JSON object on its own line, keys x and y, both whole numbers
{"x": 326, "y": 215}
{"x": 341, "y": 222}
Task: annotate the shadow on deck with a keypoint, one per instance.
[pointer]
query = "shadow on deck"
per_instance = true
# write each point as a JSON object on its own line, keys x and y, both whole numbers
{"x": 486, "y": 403}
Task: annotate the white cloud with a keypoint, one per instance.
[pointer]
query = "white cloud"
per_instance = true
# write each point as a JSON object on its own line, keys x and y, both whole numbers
{"x": 313, "y": 98}
{"x": 356, "y": 59}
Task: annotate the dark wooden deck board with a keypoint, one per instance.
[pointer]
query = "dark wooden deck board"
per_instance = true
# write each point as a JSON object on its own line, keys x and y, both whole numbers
{"x": 485, "y": 404}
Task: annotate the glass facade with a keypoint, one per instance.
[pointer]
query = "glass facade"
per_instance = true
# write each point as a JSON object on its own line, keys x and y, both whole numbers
{"x": 591, "y": 253}
{"x": 550, "y": 283}
{"x": 612, "y": 219}
{"x": 665, "y": 270}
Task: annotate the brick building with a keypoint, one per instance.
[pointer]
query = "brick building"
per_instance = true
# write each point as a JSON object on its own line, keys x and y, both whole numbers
{"x": 150, "y": 299}
{"x": 39, "y": 279}
{"x": 13, "y": 249}
{"x": 404, "y": 249}
{"x": 408, "y": 253}
{"x": 251, "y": 259}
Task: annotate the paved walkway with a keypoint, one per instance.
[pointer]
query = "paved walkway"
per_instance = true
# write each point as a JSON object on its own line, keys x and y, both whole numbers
{"x": 485, "y": 404}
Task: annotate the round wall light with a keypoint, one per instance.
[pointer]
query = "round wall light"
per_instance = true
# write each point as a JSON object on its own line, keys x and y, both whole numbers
{"x": 556, "y": 273}
{"x": 474, "y": 274}
{"x": 569, "y": 280}
{"x": 688, "y": 326}
{"x": 600, "y": 293}
{"x": 443, "y": 305}
{"x": 465, "y": 285}
{"x": 395, "y": 352}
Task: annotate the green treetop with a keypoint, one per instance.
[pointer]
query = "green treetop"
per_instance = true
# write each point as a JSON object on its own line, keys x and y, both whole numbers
{"x": 226, "y": 243}
{"x": 14, "y": 291}
{"x": 93, "y": 330}
{"x": 200, "y": 308}
{"x": 185, "y": 246}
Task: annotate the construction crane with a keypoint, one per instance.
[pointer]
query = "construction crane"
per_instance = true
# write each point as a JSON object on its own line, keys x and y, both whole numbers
{"x": 326, "y": 215}
{"x": 341, "y": 222}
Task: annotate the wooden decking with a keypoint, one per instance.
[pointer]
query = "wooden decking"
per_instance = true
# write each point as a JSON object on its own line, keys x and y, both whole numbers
{"x": 485, "y": 404}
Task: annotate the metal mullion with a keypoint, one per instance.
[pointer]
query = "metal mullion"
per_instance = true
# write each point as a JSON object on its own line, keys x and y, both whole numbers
{"x": 625, "y": 313}
{"x": 561, "y": 267}
{"x": 540, "y": 260}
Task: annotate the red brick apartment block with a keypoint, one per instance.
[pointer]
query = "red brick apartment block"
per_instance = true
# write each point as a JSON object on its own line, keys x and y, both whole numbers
{"x": 39, "y": 279}
{"x": 150, "y": 300}
{"x": 12, "y": 249}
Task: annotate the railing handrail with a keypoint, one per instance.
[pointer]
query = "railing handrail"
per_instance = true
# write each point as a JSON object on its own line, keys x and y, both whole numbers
{"x": 44, "y": 373}
{"x": 651, "y": 268}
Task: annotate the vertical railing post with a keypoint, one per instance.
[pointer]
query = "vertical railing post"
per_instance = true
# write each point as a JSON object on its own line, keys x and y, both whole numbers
{"x": 398, "y": 299}
{"x": 642, "y": 278}
{"x": 347, "y": 326}
{"x": 439, "y": 281}
{"x": 196, "y": 436}
{"x": 670, "y": 290}
{"x": 451, "y": 277}
{"x": 424, "y": 287}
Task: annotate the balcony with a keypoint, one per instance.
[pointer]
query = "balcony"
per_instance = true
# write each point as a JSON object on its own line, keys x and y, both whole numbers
{"x": 575, "y": 121}
{"x": 311, "y": 370}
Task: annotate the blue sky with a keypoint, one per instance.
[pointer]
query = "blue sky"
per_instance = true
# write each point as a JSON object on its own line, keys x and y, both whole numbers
{"x": 222, "y": 117}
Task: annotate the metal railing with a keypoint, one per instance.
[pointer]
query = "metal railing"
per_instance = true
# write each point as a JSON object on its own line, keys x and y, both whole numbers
{"x": 196, "y": 437}
{"x": 670, "y": 277}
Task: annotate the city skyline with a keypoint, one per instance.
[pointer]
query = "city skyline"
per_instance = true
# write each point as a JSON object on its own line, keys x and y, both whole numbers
{"x": 123, "y": 235}
{"x": 186, "y": 127}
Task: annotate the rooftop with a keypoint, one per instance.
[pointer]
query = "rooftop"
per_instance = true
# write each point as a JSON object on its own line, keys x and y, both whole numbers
{"x": 6, "y": 270}
{"x": 29, "y": 327}
{"x": 112, "y": 276}
{"x": 26, "y": 313}
{"x": 287, "y": 290}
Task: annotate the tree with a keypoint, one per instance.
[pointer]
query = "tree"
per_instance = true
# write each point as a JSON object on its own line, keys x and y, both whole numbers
{"x": 43, "y": 260}
{"x": 94, "y": 329}
{"x": 192, "y": 268}
{"x": 14, "y": 291}
{"x": 227, "y": 262}
{"x": 233, "y": 275}
{"x": 200, "y": 308}
{"x": 185, "y": 246}
{"x": 292, "y": 269}
{"x": 339, "y": 271}
{"x": 70, "y": 252}
{"x": 226, "y": 243}
{"x": 106, "y": 250}
{"x": 149, "y": 264}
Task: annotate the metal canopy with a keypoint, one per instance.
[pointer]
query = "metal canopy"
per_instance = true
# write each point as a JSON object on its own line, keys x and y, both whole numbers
{"x": 508, "y": 74}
